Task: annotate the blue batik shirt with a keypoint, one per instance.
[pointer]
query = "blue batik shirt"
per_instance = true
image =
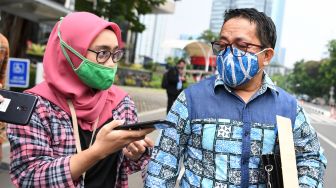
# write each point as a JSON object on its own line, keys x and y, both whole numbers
{"x": 218, "y": 138}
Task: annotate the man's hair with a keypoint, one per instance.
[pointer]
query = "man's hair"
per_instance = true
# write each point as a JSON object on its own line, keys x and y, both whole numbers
{"x": 265, "y": 28}
{"x": 181, "y": 61}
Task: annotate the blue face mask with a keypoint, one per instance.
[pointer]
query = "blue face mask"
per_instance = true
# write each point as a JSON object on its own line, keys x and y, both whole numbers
{"x": 236, "y": 71}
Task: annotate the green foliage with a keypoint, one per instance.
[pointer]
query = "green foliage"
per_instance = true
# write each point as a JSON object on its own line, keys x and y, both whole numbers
{"x": 124, "y": 13}
{"x": 332, "y": 49}
{"x": 156, "y": 80}
{"x": 153, "y": 66}
{"x": 328, "y": 73}
{"x": 35, "y": 49}
{"x": 306, "y": 78}
{"x": 315, "y": 78}
{"x": 282, "y": 81}
{"x": 208, "y": 36}
{"x": 136, "y": 66}
{"x": 171, "y": 61}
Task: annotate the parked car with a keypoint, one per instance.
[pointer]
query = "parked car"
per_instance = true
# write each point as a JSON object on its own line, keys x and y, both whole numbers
{"x": 318, "y": 101}
{"x": 303, "y": 97}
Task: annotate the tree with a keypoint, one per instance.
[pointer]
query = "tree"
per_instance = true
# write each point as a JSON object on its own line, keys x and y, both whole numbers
{"x": 125, "y": 13}
{"x": 171, "y": 61}
{"x": 306, "y": 78}
{"x": 208, "y": 36}
{"x": 328, "y": 74}
{"x": 332, "y": 48}
{"x": 282, "y": 81}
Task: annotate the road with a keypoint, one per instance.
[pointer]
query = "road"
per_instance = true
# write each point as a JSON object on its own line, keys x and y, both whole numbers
{"x": 326, "y": 129}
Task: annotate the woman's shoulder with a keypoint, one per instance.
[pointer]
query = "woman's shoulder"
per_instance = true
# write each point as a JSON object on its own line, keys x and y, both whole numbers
{"x": 44, "y": 108}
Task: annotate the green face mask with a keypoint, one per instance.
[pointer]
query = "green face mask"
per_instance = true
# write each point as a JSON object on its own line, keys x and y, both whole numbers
{"x": 95, "y": 75}
{"x": 92, "y": 74}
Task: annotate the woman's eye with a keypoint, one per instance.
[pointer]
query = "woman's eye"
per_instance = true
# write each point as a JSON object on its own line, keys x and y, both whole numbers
{"x": 103, "y": 54}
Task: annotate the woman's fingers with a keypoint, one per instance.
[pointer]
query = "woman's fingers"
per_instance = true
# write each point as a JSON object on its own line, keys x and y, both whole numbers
{"x": 148, "y": 142}
{"x": 133, "y": 147}
{"x": 113, "y": 124}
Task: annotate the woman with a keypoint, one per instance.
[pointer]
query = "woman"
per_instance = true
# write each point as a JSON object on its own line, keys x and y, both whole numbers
{"x": 59, "y": 148}
{"x": 4, "y": 55}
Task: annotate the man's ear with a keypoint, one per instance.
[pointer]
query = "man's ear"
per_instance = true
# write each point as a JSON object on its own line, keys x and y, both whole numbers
{"x": 268, "y": 55}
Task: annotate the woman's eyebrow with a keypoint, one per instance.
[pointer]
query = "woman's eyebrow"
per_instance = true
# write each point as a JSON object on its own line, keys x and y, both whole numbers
{"x": 105, "y": 47}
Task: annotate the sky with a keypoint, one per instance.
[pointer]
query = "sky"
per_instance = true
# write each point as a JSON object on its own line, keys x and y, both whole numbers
{"x": 308, "y": 25}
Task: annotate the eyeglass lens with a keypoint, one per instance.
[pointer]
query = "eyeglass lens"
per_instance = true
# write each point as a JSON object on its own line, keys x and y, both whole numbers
{"x": 103, "y": 56}
{"x": 217, "y": 48}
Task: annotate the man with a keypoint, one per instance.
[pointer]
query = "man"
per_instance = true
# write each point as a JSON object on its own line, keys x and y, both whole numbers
{"x": 226, "y": 122}
{"x": 175, "y": 77}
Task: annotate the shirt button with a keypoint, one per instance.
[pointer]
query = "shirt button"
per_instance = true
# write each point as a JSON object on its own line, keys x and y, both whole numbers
{"x": 247, "y": 133}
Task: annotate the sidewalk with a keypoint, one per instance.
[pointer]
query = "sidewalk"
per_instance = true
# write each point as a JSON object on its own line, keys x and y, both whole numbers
{"x": 320, "y": 109}
{"x": 145, "y": 99}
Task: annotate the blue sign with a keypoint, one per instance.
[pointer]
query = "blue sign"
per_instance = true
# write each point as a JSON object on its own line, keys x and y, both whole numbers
{"x": 18, "y": 72}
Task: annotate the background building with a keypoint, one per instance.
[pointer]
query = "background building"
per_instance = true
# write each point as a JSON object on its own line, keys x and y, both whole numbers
{"x": 277, "y": 16}
{"x": 148, "y": 43}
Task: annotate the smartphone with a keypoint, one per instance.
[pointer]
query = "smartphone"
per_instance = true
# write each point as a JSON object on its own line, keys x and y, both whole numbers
{"x": 156, "y": 124}
{"x": 17, "y": 107}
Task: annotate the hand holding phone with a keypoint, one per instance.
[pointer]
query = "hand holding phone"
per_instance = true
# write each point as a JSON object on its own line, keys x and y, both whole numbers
{"x": 156, "y": 124}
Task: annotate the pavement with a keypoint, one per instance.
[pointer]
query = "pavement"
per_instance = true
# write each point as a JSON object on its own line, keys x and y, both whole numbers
{"x": 150, "y": 103}
{"x": 147, "y": 99}
{"x": 325, "y": 110}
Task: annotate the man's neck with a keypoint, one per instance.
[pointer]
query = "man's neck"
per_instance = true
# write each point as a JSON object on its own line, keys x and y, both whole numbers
{"x": 247, "y": 90}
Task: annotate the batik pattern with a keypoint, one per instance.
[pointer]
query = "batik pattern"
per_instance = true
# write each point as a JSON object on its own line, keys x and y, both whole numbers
{"x": 210, "y": 150}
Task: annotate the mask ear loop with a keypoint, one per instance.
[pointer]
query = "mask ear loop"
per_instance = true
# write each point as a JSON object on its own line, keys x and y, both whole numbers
{"x": 262, "y": 51}
{"x": 64, "y": 44}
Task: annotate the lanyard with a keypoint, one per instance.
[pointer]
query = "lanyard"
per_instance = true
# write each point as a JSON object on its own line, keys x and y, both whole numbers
{"x": 76, "y": 132}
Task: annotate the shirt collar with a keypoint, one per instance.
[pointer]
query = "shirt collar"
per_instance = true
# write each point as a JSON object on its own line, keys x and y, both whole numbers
{"x": 266, "y": 83}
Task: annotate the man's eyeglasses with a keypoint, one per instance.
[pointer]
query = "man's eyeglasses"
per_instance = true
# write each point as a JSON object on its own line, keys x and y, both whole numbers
{"x": 219, "y": 46}
{"x": 104, "y": 55}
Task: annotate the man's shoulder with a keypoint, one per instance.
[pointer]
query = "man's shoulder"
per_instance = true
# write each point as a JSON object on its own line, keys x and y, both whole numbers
{"x": 207, "y": 83}
{"x": 286, "y": 101}
{"x": 284, "y": 93}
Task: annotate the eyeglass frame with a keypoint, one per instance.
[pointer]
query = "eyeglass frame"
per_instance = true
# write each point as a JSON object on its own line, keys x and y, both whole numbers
{"x": 112, "y": 54}
{"x": 231, "y": 49}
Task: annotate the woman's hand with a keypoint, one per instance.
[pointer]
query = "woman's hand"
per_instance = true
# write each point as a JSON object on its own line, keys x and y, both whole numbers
{"x": 109, "y": 141}
{"x": 135, "y": 149}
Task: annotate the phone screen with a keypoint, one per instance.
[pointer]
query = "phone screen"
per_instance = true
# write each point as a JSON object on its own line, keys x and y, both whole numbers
{"x": 156, "y": 124}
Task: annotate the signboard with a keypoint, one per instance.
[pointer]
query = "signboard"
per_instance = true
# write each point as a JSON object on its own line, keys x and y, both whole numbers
{"x": 18, "y": 72}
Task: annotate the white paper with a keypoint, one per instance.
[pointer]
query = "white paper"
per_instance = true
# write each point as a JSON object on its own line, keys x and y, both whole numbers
{"x": 4, "y": 105}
